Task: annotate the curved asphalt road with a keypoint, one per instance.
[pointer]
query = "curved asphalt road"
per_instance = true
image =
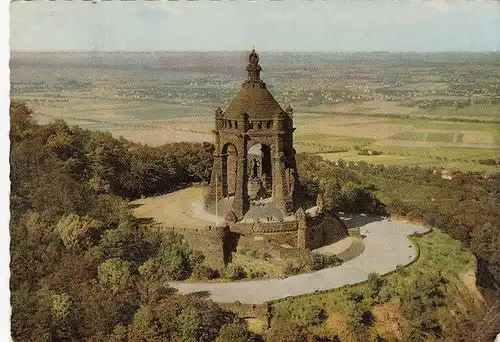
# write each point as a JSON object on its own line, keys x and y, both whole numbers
{"x": 386, "y": 246}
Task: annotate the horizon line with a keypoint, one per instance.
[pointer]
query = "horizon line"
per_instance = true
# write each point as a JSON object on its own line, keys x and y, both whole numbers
{"x": 265, "y": 51}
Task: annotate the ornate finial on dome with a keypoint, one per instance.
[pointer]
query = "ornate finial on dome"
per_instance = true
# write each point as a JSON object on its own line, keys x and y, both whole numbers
{"x": 218, "y": 112}
{"x": 253, "y": 67}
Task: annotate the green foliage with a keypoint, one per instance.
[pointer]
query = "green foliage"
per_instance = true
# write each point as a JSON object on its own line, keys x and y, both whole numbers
{"x": 359, "y": 316}
{"x": 178, "y": 318}
{"x": 332, "y": 195}
{"x": 285, "y": 331}
{"x": 21, "y": 122}
{"x": 485, "y": 243}
{"x": 60, "y": 305}
{"x": 375, "y": 283}
{"x": 120, "y": 334}
{"x": 291, "y": 268}
{"x": 78, "y": 232}
{"x": 420, "y": 303}
{"x": 174, "y": 260}
{"x": 114, "y": 273}
{"x": 144, "y": 329}
{"x": 340, "y": 187}
{"x": 252, "y": 274}
{"x": 75, "y": 247}
{"x": 303, "y": 316}
{"x": 233, "y": 272}
{"x": 204, "y": 272}
{"x": 321, "y": 261}
{"x": 234, "y": 332}
{"x": 190, "y": 322}
{"x": 358, "y": 198}
{"x": 460, "y": 207}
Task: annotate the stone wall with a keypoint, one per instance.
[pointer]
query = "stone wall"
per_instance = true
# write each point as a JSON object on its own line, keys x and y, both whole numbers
{"x": 215, "y": 243}
{"x": 281, "y": 238}
{"x": 264, "y": 227}
{"x": 324, "y": 230}
{"x": 314, "y": 232}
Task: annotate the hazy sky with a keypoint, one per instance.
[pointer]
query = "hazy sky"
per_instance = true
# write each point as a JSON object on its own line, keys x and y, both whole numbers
{"x": 332, "y": 25}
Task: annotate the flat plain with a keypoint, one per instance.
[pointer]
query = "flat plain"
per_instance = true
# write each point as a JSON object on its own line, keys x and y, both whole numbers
{"x": 354, "y": 107}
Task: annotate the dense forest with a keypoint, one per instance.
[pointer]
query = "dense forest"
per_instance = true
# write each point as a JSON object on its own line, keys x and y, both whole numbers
{"x": 83, "y": 269}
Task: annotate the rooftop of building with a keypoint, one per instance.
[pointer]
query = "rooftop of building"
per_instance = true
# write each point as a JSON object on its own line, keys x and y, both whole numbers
{"x": 253, "y": 98}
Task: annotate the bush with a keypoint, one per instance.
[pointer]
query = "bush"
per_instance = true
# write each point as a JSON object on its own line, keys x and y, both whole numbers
{"x": 360, "y": 319}
{"x": 233, "y": 272}
{"x": 252, "y": 274}
{"x": 375, "y": 283}
{"x": 290, "y": 269}
{"x": 313, "y": 316}
{"x": 233, "y": 332}
{"x": 285, "y": 331}
{"x": 202, "y": 272}
{"x": 320, "y": 261}
{"x": 250, "y": 252}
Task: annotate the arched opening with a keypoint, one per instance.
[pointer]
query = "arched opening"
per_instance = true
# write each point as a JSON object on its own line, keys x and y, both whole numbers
{"x": 229, "y": 169}
{"x": 260, "y": 176}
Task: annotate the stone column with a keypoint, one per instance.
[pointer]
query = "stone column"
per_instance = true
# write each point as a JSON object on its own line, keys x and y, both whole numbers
{"x": 280, "y": 191}
{"x": 241, "y": 202}
{"x": 302, "y": 229}
{"x": 215, "y": 189}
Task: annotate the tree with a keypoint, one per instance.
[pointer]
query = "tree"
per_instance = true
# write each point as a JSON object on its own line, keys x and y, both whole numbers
{"x": 145, "y": 329}
{"x": 114, "y": 273}
{"x": 173, "y": 260}
{"x": 21, "y": 121}
{"x": 321, "y": 261}
{"x": 190, "y": 323}
{"x": 332, "y": 195}
{"x": 204, "y": 272}
{"x": 375, "y": 283}
{"x": 485, "y": 240}
{"x": 120, "y": 334}
{"x": 359, "y": 316}
{"x": 78, "y": 232}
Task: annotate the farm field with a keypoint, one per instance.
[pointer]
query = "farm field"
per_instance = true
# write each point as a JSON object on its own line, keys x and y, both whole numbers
{"x": 345, "y": 106}
{"x": 402, "y": 142}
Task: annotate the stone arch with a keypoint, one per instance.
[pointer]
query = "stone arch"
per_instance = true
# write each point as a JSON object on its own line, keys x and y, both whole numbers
{"x": 229, "y": 169}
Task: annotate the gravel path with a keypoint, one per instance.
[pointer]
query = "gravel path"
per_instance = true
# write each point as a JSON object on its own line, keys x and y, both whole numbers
{"x": 386, "y": 247}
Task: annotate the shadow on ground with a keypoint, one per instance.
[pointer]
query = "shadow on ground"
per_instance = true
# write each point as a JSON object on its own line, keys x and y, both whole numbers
{"x": 358, "y": 220}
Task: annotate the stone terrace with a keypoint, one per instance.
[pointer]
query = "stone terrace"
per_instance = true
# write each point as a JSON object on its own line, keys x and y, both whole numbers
{"x": 181, "y": 209}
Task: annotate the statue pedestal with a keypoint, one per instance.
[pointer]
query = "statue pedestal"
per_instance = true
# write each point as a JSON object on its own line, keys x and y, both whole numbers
{"x": 255, "y": 188}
